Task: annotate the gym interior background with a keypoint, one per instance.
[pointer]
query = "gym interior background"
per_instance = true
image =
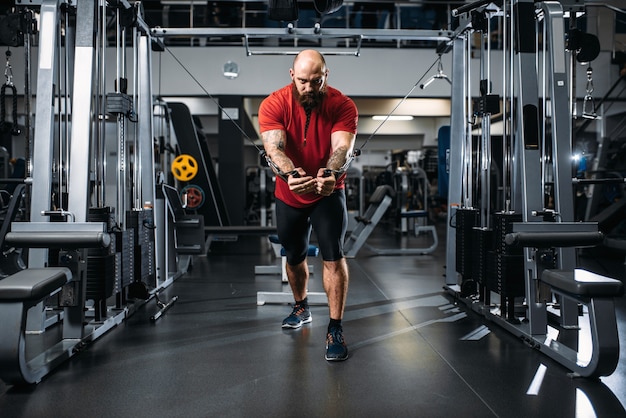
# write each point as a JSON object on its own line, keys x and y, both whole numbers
{"x": 486, "y": 237}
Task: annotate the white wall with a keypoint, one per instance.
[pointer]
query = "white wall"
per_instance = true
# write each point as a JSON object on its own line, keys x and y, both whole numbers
{"x": 377, "y": 72}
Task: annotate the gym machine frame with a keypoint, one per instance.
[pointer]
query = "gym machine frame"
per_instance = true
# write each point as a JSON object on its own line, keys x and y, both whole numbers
{"x": 60, "y": 237}
{"x": 528, "y": 256}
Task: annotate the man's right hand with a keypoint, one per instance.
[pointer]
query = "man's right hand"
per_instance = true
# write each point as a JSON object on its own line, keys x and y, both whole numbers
{"x": 300, "y": 183}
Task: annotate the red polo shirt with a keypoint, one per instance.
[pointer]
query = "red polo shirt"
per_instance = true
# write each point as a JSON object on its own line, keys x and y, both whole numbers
{"x": 280, "y": 110}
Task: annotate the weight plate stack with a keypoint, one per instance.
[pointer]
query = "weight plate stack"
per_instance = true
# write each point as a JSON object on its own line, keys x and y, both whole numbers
{"x": 507, "y": 272}
{"x": 140, "y": 222}
{"x": 103, "y": 271}
{"x": 502, "y": 225}
{"x": 466, "y": 219}
{"x": 482, "y": 239}
{"x": 125, "y": 244}
{"x": 507, "y": 261}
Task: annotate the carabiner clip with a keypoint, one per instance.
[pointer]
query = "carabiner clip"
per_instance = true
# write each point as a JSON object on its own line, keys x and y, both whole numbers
{"x": 8, "y": 70}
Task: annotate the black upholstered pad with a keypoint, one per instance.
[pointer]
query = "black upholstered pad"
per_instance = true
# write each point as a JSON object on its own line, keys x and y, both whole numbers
{"x": 583, "y": 283}
{"x": 33, "y": 283}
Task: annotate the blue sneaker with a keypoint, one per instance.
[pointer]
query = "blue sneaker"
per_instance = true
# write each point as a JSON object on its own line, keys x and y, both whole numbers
{"x": 300, "y": 315}
{"x": 336, "y": 349}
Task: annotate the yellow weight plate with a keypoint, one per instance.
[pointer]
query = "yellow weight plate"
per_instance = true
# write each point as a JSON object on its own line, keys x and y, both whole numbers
{"x": 184, "y": 167}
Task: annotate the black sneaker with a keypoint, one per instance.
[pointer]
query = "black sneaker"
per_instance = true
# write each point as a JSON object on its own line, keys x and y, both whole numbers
{"x": 336, "y": 349}
{"x": 300, "y": 315}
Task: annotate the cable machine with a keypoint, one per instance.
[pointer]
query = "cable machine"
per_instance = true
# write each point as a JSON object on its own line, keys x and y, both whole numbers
{"x": 99, "y": 240}
{"x": 512, "y": 255}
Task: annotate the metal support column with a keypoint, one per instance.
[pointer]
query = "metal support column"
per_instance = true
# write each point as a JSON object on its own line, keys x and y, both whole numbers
{"x": 43, "y": 141}
{"x": 82, "y": 109}
{"x": 43, "y": 156}
{"x": 145, "y": 156}
{"x": 457, "y": 134}
{"x": 561, "y": 140}
{"x": 527, "y": 196}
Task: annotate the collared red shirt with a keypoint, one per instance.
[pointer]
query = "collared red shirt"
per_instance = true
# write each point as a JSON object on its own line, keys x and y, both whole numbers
{"x": 281, "y": 111}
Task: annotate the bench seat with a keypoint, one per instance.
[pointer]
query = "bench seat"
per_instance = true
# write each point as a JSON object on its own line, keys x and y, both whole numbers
{"x": 33, "y": 284}
{"x": 583, "y": 283}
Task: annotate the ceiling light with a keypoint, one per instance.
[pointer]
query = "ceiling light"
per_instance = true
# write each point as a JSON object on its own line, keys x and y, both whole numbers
{"x": 392, "y": 117}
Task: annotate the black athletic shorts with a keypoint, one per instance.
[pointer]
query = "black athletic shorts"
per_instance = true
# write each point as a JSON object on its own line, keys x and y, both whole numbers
{"x": 328, "y": 217}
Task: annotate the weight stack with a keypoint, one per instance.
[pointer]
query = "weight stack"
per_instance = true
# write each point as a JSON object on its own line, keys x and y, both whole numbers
{"x": 466, "y": 221}
{"x": 506, "y": 262}
{"x": 141, "y": 222}
{"x": 148, "y": 266}
{"x": 103, "y": 271}
{"x": 502, "y": 225}
{"x": 482, "y": 243}
{"x": 102, "y": 276}
{"x": 125, "y": 246}
{"x": 507, "y": 274}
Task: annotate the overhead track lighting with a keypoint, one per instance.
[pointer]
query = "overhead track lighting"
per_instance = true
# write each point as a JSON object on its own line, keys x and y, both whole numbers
{"x": 392, "y": 117}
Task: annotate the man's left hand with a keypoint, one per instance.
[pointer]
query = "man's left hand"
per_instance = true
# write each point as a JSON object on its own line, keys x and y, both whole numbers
{"x": 325, "y": 184}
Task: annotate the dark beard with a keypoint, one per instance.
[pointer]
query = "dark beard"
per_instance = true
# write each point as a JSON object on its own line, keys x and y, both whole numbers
{"x": 310, "y": 101}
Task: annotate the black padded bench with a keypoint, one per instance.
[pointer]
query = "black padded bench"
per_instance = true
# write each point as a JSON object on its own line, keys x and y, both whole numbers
{"x": 18, "y": 293}
{"x": 376, "y": 199}
{"x": 597, "y": 293}
{"x": 232, "y": 233}
{"x": 414, "y": 214}
{"x": 58, "y": 235}
{"x": 380, "y": 201}
{"x": 582, "y": 283}
{"x": 33, "y": 284}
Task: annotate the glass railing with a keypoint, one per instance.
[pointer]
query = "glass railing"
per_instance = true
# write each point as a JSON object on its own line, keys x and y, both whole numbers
{"x": 222, "y": 19}
{"x": 410, "y": 15}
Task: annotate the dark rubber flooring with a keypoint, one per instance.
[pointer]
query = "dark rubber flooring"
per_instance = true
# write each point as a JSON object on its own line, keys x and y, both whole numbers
{"x": 413, "y": 352}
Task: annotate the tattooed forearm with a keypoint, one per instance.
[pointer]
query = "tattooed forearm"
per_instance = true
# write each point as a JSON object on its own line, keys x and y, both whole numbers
{"x": 337, "y": 159}
{"x": 274, "y": 144}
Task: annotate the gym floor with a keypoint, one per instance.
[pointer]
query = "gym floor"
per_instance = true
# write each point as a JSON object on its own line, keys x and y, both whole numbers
{"x": 413, "y": 352}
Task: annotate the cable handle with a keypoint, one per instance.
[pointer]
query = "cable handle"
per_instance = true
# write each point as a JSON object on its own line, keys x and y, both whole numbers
{"x": 589, "y": 106}
{"x": 4, "y": 125}
{"x": 280, "y": 173}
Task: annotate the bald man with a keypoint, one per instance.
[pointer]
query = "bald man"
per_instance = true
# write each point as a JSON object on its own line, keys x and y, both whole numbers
{"x": 308, "y": 130}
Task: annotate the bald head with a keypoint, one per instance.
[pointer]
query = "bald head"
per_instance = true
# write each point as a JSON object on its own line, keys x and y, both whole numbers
{"x": 310, "y": 59}
{"x": 308, "y": 75}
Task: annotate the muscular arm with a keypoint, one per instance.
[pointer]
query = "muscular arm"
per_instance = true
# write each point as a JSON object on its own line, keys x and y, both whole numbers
{"x": 341, "y": 146}
{"x": 274, "y": 144}
{"x": 342, "y": 143}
